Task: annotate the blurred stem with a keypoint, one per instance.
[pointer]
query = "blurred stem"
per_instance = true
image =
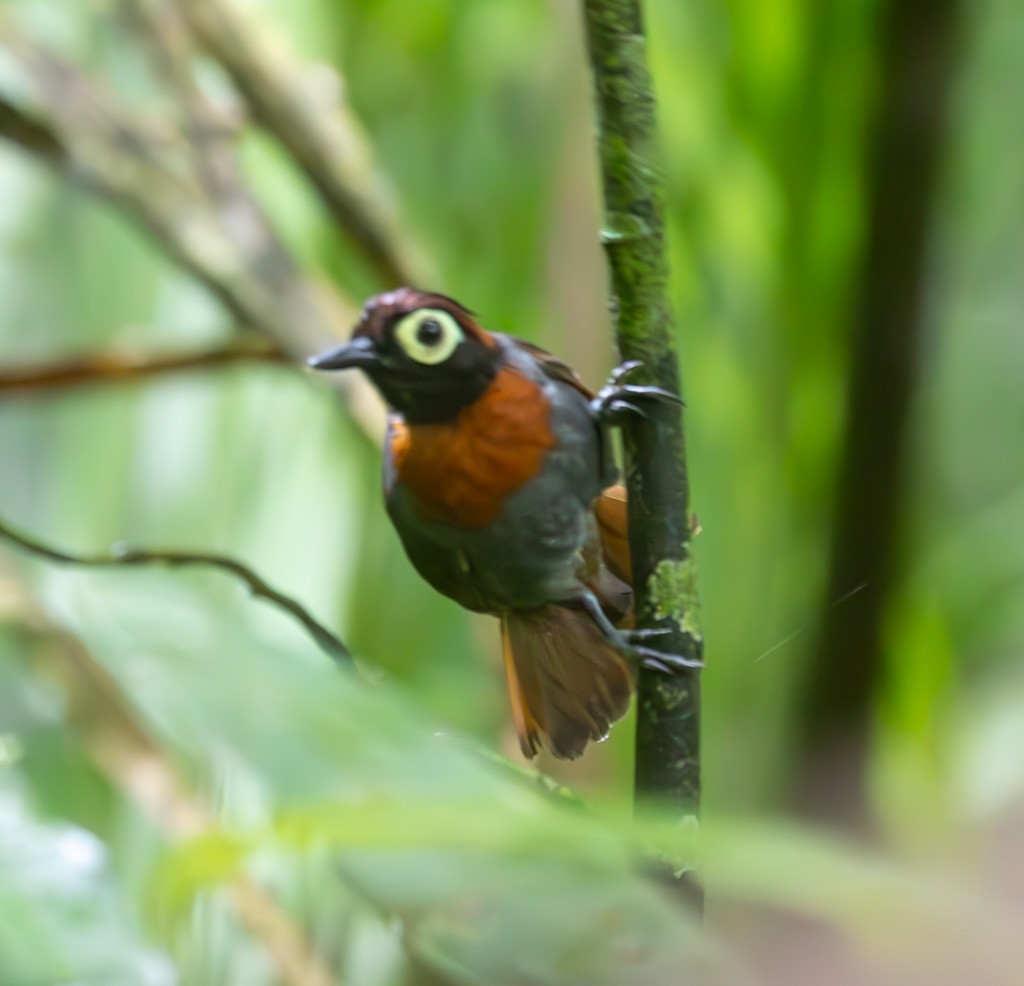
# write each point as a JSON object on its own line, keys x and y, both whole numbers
{"x": 918, "y": 67}
{"x": 120, "y": 367}
{"x": 32, "y": 134}
{"x": 155, "y": 175}
{"x": 305, "y": 110}
{"x": 186, "y": 189}
{"x": 208, "y": 128}
{"x": 124, "y": 556}
{"x": 668, "y": 705}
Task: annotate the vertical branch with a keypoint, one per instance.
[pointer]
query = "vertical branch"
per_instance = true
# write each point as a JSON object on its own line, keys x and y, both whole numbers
{"x": 918, "y": 67}
{"x": 668, "y": 709}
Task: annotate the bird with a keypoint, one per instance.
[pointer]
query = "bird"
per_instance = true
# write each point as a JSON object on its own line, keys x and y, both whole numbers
{"x": 499, "y": 478}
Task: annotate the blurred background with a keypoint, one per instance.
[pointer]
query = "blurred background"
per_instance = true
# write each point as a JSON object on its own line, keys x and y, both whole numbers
{"x": 191, "y": 793}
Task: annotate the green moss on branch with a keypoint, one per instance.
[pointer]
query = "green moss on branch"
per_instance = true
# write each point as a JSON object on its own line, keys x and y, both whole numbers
{"x": 668, "y": 728}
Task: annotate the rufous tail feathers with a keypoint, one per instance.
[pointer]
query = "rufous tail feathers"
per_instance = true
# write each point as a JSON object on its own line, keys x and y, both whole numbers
{"x": 567, "y": 684}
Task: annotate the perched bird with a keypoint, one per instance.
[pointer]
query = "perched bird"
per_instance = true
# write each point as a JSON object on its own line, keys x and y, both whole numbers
{"x": 499, "y": 480}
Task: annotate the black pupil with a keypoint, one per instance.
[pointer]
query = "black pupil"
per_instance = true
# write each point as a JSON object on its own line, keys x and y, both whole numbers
{"x": 429, "y": 332}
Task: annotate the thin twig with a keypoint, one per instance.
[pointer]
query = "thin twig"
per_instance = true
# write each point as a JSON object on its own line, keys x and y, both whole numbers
{"x": 668, "y": 717}
{"x": 126, "y": 556}
{"x": 120, "y": 367}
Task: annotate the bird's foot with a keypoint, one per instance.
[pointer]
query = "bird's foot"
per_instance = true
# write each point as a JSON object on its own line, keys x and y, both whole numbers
{"x": 657, "y": 660}
{"x": 617, "y": 401}
{"x": 632, "y": 644}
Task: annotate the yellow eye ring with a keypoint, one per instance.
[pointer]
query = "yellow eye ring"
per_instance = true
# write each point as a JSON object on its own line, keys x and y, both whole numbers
{"x": 428, "y": 335}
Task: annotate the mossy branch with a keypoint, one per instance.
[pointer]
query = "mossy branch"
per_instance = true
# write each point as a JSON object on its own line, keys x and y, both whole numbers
{"x": 668, "y": 717}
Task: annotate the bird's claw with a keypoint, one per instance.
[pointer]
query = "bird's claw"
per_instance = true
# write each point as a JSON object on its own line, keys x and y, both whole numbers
{"x": 629, "y": 643}
{"x": 616, "y": 401}
{"x": 617, "y": 410}
{"x": 656, "y": 660}
{"x": 640, "y": 634}
{"x": 623, "y": 370}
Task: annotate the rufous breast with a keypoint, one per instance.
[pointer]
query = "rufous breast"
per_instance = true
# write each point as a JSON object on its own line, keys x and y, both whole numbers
{"x": 463, "y": 471}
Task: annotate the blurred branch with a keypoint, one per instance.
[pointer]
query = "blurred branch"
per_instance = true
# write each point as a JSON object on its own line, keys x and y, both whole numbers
{"x": 150, "y": 171}
{"x": 668, "y": 705}
{"x": 31, "y": 134}
{"x": 122, "y": 748}
{"x": 209, "y": 129}
{"x": 300, "y": 106}
{"x": 304, "y": 108}
{"x": 919, "y": 59}
{"x": 118, "y": 367}
{"x": 124, "y": 556}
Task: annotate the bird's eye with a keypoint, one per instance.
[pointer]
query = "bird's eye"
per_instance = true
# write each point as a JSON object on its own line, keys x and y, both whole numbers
{"x": 429, "y": 332}
{"x": 429, "y": 335}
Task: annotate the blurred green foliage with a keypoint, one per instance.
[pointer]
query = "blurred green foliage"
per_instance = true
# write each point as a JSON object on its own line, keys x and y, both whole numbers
{"x": 373, "y": 815}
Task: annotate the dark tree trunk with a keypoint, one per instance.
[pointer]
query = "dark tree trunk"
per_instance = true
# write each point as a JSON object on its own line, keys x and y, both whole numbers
{"x": 889, "y": 325}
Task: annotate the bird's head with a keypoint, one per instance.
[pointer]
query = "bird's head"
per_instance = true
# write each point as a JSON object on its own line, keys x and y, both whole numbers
{"x": 423, "y": 352}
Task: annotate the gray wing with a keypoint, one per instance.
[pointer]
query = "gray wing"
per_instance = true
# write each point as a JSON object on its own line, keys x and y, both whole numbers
{"x": 567, "y": 389}
{"x": 550, "y": 365}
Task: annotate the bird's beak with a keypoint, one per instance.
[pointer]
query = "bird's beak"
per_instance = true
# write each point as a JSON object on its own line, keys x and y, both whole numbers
{"x": 360, "y": 352}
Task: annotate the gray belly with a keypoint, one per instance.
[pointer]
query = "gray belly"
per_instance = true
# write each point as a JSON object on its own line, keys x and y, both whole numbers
{"x": 529, "y": 556}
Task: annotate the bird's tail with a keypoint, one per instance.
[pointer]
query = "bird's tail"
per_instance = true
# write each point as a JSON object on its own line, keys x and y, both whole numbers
{"x": 567, "y": 684}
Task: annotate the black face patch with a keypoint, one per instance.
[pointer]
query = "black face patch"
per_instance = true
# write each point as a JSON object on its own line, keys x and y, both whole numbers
{"x": 429, "y": 357}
